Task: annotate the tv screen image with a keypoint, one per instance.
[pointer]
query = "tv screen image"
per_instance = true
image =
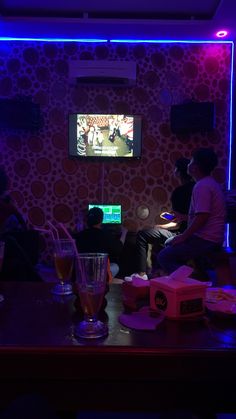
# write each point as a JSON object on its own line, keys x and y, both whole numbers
{"x": 112, "y": 212}
{"x": 104, "y": 136}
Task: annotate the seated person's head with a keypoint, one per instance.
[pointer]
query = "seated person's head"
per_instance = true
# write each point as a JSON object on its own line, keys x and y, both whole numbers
{"x": 95, "y": 217}
{"x": 181, "y": 168}
{"x": 205, "y": 159}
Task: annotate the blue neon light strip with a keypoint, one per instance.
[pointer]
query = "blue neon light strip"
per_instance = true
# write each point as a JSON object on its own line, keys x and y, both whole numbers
{"x": 173, "y": 41}
{"x": 230, "y": 135}
{"x": 148, "y": 41}
{"x": 231, "y": 116}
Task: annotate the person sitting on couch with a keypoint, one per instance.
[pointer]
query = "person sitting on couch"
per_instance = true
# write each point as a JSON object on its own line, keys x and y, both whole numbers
{"x": 10, "y": 217}
{"x": 180, "y": 201}
{"x": 95, "y": 239}
{"x": 16, "y": 263}
{"x": 206, "y": 218}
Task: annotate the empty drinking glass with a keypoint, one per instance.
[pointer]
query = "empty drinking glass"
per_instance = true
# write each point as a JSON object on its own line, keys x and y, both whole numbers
{"x": 91, "y": 277}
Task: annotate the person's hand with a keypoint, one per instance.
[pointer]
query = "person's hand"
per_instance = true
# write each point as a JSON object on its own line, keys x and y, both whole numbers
{"x": 180, "y": 217}
{"x": 172, "y": 241}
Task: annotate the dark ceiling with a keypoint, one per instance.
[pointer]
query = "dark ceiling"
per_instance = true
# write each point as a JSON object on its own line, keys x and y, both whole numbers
{"x": 129, "y": 9}
{"x": 169, "y": 19}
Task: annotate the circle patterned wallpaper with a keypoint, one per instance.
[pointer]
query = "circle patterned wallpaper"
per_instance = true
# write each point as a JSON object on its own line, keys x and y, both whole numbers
{"x": 46, "y": 185}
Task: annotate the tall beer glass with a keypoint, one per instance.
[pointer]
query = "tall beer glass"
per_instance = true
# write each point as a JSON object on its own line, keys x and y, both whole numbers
{"x": 91, "y": 277}
{"x": 64, "y": 260}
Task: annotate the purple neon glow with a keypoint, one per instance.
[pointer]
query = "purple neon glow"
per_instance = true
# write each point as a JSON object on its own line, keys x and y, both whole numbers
{"x": 221, "y": 33}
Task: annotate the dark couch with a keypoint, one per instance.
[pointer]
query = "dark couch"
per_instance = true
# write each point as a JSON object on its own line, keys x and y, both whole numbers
{"x": 21, "y": 256}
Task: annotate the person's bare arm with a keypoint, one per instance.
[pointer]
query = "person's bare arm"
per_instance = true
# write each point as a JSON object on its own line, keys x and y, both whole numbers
{"x": 124, "y": 232}
{"x": 166, "y": 226}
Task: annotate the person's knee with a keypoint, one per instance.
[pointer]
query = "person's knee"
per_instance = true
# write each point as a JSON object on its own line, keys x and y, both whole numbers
{"x": 144, "y": 236}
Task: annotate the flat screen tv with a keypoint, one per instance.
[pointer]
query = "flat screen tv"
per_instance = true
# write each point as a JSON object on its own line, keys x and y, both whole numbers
{"x": 105, "y": 136}
{"x": 112, "y": 213}
{"x": 192, "y": 117}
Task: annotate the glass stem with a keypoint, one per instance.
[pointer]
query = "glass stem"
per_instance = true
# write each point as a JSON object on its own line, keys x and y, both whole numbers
{"x": 90, "y": 319}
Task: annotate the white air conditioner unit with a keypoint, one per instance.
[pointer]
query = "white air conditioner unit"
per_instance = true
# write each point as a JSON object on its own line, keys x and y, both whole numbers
{"x": 115, "y": 73}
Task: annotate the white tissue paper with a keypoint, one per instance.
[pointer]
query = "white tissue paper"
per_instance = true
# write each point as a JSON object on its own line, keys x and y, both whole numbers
{"x": 182, "y": 273}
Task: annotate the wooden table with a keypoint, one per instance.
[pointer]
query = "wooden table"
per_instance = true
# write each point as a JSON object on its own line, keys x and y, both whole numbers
{"x": 183, "y": 364}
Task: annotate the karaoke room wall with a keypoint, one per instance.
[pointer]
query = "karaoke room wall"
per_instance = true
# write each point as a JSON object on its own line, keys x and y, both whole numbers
{"x": 47, "y": 185}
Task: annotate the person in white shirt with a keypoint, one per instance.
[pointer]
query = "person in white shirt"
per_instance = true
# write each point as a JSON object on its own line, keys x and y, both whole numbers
{"x": 206, "y": 218}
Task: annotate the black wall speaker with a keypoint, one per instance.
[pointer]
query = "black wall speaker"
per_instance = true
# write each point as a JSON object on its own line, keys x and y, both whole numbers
{"x": 192, "y": 117}
{"x": 19, "y": 114}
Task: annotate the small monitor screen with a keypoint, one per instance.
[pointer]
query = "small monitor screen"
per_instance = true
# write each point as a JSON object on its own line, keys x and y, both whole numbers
{"x": 112, "y": 212}
{"x": 104, "y": 136}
